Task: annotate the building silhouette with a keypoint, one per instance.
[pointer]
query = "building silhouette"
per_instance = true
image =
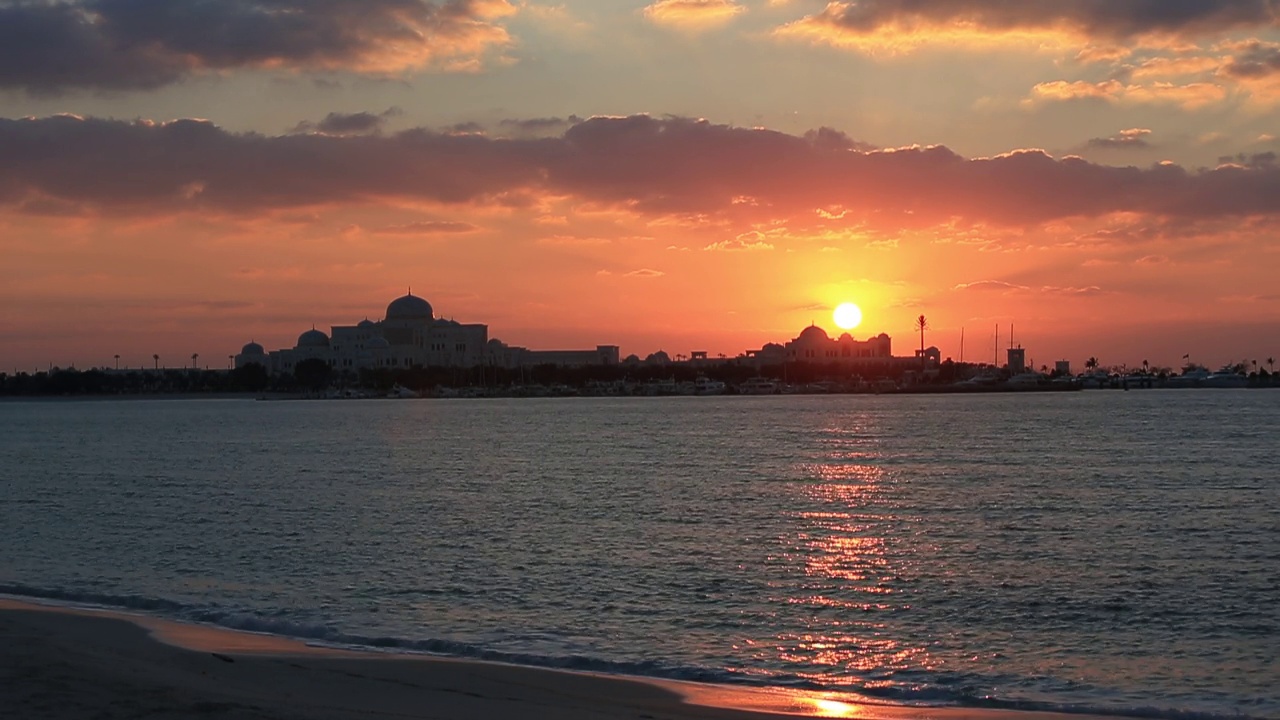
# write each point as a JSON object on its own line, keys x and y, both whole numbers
{"x": 410, "y": 335}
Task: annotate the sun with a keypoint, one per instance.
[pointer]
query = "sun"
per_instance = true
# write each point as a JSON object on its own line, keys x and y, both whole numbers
{"x": 847, "y": 316}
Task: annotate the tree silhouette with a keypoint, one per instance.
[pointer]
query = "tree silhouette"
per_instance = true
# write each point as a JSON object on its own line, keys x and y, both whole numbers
{"x": 312, "y": 373}
{"x": 1271, "y": 363}
{"x": 1146, "y": 367}
{"x": 117, "y": 362}
{"x": 194, "y": 357}
{"x": 157, "y": 359}
{"x": 1091, "y": 363}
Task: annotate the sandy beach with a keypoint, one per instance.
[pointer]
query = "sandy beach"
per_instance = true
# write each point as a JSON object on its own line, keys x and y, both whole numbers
{"x": 63, "y": 663}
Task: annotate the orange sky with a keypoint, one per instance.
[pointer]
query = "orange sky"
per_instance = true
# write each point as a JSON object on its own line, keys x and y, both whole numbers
{"x": 678, "y": 175}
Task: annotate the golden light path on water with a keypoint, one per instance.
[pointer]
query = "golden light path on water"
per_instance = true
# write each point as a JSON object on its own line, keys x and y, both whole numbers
{"x": 839, "y": 544}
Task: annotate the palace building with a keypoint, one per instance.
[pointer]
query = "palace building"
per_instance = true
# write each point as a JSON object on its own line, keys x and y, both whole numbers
{"x": 814, "y": 346}
{"x": 410, "y": 335}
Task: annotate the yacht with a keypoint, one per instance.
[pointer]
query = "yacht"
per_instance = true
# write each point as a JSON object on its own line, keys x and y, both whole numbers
{"x": 704, "y": 385}
{"x": 758, "y": 386}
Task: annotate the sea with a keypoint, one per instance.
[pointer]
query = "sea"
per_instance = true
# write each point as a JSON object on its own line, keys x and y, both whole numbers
{"x": 1101, "y": 551}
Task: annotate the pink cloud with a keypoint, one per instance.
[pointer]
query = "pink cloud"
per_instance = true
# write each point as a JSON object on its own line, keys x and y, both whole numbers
{"x": 688, "y": 170}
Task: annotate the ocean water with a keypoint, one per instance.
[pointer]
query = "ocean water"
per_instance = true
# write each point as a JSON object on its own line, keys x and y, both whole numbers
{"x": 1099, "y": 551}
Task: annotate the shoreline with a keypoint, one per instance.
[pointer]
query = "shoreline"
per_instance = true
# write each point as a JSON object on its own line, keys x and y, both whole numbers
{"x": 62, "y": 662}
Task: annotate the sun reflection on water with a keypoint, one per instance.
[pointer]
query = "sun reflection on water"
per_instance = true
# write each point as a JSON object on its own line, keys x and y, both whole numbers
{"x": 845, "y": 576}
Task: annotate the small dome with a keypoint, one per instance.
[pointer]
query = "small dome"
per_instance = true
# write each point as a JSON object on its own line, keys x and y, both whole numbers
{"x": 377, "y": 343}
{"x": 410, "y": 307}
{"x": 366, "y": 324}
{"x": 313, "y": 339}
{"x": 813, "y": 332}
{"x": 252, "y": 348}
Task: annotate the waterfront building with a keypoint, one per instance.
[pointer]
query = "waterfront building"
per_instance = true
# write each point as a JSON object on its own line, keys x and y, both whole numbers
{"x": 410, "y": 335}
{"x": 814, "y": 346}
{"x": 1017, "y": 361}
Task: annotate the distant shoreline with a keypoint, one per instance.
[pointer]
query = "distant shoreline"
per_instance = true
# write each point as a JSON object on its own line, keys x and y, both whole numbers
{"x": 138, "y": 396}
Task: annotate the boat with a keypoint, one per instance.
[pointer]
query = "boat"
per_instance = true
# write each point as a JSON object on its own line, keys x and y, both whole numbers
{"x": 400, "y": 391}
{"x": 1225, "y": 379}
{"x": 704, "y": 385}
{"x": 758, "y": 386}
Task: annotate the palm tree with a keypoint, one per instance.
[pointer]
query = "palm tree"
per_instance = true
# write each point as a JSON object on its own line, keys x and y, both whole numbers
{"x": 1146, "y": 368}
{"x": 1091, "y": 363}
{"x": 117, "y": 362}
{"x": 231, "y": 362}
{"x": 1271, "y": 363}
{"x": 157, "y": 359}
{"x": 922, "y": 323}
{"x": 194, "y": 356}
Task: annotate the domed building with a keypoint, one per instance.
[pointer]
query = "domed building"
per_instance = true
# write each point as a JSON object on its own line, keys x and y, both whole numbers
{"x": 813, "y": 345}
{"x": 313, "y": 339}
{"x": 410, "y": 308}
{"x": 410, "y": 335}
{"x": 252, "y": 353}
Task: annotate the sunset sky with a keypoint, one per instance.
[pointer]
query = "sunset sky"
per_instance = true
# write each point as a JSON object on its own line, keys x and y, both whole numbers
{"x": 180, "y": 177}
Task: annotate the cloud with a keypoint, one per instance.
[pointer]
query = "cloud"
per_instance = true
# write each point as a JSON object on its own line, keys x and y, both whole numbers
{"x": 48, "y": 47}
{"x": 825, "y": 138}
{"x": 1172, "y": 67}
{"x": 1008, "y": 287}
{"x": 1256, "y": 59}
{"x": 1192, "y": 96}
{"x": 539, "y": 126}
{"x": 692, "y": 14}
{"x": 668, "y": 169}
{"x": 999, "y": 285}
{"x": 427, "y": 227}
{"x": 348, "y": 123}
{"x": 573, "y": 241}
{"x": 753, "y": 240}
{"x": 1262, "y": 160}
{"x": 644, "y": 273}
{"x": 893, "y": 25}
{"x": 1131, "y": 139}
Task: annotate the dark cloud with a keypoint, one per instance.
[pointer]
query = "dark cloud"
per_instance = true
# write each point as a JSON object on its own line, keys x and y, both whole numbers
{"x": 465, "y": 128}
{"x": 143, "y": 44}
{"x": 427, "y": 227}
{"x": 1116, "y": 19}
{"x": 540, "y": 126}
{"x": 825, "y": 138}
{"x": 1131, "y": 139}
{"x": 1257, "y": 60}
{"x": 348, "y": 123}
{"x": 1260, "y": 161}
{"x": 652, "y": 166}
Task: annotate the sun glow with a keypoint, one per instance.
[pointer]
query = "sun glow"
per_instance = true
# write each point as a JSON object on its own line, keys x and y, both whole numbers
{"x": 847, "y": 316}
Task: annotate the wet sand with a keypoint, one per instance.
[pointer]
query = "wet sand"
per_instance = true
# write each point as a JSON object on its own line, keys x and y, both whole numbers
{"x": 61, "y": 663}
